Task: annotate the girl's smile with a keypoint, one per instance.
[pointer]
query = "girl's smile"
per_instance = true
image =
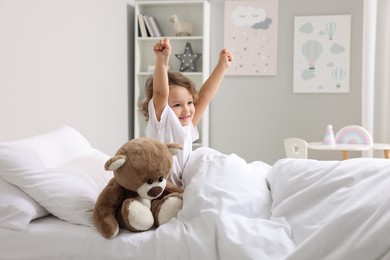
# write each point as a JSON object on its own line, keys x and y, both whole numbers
{"x": 181, "y": 102}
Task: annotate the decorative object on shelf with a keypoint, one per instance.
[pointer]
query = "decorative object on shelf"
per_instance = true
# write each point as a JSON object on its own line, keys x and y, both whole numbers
{"x": 142, "y": 26}
{"x": 149, "y": 28}
{"x": 188, "y": 59}
{"x": 182, "y": 28}
{"x": 251, "y": 32}
{"x": 150, "y": 68}
{"x": 322, "y": 54}
{"x": 329, "y": 136}
{"x": 155, "y": 26}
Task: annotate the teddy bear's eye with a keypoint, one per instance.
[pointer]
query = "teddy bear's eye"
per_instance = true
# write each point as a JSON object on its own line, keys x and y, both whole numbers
{"x": 150, "y": 182}
{"x": 161, "y": 179}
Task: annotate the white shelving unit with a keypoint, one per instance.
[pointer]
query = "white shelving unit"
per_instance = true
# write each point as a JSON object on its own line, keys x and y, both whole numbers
{"x": 197, "y": 12}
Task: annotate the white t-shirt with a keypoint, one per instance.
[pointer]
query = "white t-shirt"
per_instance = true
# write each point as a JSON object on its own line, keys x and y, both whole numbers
{"x": 169, "y": 130}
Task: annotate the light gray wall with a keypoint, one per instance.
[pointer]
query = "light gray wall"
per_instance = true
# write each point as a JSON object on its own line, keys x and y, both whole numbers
{"x": 251, "y": 116}
{"x": 71, "y": 62}
{"x": 65, "y": 62}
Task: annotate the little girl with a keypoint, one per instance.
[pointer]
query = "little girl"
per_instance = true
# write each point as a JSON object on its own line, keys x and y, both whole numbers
{"x": 173, "y": 107}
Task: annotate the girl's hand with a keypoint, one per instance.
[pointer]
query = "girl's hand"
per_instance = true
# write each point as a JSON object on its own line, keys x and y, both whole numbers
{"x": 162, "y": 49}
{"x": 225, "y": 58}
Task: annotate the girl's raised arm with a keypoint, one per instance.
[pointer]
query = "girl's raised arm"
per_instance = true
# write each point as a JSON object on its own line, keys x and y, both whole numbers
{"x": 162, "y": 49}
{"x": 211, "y": 85}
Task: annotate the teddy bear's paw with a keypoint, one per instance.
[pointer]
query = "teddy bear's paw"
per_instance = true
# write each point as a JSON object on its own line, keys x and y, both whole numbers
{"x": 139, "y": 216}
{"x": 108, "y": 230}
{"x": 116, "y": 231}
{"x": 169, "y": 209}
{"x": 106, "y": 224}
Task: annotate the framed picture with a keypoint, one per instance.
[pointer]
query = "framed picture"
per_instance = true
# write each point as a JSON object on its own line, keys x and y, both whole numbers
{"x": 251, "y": 34}
{"x": 322, "y": 54}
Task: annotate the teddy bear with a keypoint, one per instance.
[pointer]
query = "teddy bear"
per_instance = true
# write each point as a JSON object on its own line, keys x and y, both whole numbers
{"x": 139, "y": 195}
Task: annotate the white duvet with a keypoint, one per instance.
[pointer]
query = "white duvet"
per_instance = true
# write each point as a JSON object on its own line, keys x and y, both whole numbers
{"x": 336, "y": 209}
{"x": 226, "y": 213}
{"x": 296, "y": 209}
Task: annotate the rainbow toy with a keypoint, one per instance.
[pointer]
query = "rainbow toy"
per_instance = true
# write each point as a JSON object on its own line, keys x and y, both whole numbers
{"x": 353, "y": 134}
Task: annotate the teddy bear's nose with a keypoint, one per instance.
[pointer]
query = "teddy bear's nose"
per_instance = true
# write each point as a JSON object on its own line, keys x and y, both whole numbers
{"x": 155, "y": 191}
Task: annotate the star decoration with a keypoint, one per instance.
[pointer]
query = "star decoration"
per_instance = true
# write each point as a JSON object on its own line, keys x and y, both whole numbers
{"x": 188, "y": 59}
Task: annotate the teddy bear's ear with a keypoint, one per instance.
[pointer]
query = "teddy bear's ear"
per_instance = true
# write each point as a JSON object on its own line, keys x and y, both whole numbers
{"x": 174, "y": 148}
{"x": 115, "y": 163}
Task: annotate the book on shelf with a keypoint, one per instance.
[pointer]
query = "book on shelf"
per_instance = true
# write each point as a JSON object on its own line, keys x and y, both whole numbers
{"x": 141, "y": 26}
{"x": 155, "y": 26}
{"x": 149, "y": 27}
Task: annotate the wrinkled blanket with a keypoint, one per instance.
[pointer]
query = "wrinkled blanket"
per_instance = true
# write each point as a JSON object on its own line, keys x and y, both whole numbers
{"x": 295, "y": 209}
{"x": 310, "y": 210}
{"x": 336, "y": 209}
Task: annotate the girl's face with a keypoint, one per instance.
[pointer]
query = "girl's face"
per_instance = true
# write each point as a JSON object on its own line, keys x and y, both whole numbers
{"x": 182, "y": 103}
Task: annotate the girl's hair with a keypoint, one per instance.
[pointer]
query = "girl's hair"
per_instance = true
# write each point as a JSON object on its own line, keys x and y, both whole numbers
{"x": 174, "y": 79}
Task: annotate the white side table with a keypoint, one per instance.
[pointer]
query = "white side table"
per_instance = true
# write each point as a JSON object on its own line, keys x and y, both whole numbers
{"x": 384, "y": 147}
{"x": 344, "y": 148}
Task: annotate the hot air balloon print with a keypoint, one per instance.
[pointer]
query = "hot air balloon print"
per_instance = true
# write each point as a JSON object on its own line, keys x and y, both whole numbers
{"x": 330, "y": 29}
{"x": 312, "y": 50}
{"x": 338, "y": 74}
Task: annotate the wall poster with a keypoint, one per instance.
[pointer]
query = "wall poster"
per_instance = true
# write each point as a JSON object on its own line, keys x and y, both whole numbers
{"x": 251, "y": 30}
{"x": 322, "y": 54}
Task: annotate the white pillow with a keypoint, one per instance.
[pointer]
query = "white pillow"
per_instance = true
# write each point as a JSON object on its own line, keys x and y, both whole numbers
{"x": 60, "y": 170}
{"x": 45, "y": 150}
{"x": 68, "y": 191}
{"x": 17, "y": 209}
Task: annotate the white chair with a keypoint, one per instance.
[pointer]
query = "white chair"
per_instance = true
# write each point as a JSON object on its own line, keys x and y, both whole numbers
{"x": 295, "y": 148}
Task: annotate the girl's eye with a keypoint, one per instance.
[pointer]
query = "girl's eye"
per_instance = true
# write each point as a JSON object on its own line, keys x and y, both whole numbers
{"x": 176, "y": 105}
{"x": 190, "y": 102}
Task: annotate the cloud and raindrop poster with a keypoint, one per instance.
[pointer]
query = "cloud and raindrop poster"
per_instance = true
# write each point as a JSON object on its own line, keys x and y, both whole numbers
{"x": 251, "y": 34}
{"x": 322, "y": 54}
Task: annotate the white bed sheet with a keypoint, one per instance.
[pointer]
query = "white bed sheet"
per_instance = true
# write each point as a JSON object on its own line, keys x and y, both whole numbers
{"x": 318, "y": 210}
{"x": 52, "y": 238}
{"x": 225, "y": 215}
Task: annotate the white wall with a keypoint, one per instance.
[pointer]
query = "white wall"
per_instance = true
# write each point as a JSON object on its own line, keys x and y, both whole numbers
{"x": 69, "y": 61}
{"x": 65, "y": 62}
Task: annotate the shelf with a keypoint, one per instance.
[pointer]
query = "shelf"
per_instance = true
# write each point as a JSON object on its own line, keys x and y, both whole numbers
{"x": 188, "y": 74}
{"x": 197, "y": 12}
{"x": 171, "y": 38}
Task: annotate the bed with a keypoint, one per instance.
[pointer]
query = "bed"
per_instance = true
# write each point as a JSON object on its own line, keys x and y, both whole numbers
{"x": 294, "y": 209}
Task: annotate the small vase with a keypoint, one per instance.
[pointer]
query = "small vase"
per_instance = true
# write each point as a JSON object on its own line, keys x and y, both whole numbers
{"x": 329, "y": 136}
